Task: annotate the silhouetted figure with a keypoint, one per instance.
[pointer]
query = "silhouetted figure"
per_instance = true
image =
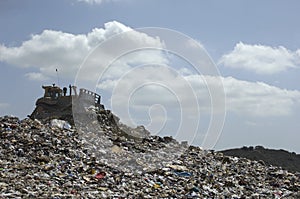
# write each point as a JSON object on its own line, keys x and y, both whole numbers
{"x": 70, "y": 87}
{"x": 65, "y": 91}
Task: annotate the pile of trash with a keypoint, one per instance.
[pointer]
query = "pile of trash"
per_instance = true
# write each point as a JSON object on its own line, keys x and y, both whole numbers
{"x": 53, "y": 160}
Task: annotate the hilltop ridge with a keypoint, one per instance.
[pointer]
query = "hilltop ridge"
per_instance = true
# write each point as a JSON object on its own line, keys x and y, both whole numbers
{"x": 277, "y": 157}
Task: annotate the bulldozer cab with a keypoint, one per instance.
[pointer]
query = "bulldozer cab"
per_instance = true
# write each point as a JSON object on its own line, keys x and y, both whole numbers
{"x": 56, "y": 103}
{"x": 52, "y": 92}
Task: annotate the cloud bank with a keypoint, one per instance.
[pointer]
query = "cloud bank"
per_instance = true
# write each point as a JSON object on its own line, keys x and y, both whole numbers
{"x": 259, "y": 99}
{"x": 50, "y": 50}
{"x": 261, "y": 59}
{"x": 255, "y": 99}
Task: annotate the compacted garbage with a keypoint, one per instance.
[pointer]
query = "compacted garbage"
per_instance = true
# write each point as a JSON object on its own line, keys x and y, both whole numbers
{"x": 46, "y": 161}
{"x": 49, "y": 158}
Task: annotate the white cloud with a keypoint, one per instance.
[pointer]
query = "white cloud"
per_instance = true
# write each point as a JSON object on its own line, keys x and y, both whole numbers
{"x": 64, "y": 51}
{"x": 248, "y": 98}
{"x": 36, "y": 76}
{"x": 261, "y": 59}
{"x": 259, "y": 99}
{"x": 186, "y": 99}
{"x": 134, "y": 93}
{"x": 52, "y": 50}
{"x": 242, "y": 97}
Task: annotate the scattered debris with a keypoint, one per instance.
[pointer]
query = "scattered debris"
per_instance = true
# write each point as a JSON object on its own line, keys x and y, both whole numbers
{"x": 44, "y": 161}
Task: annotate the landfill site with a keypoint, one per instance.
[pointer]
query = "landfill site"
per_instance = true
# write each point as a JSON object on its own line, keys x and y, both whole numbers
{"x": 72, "y": 147}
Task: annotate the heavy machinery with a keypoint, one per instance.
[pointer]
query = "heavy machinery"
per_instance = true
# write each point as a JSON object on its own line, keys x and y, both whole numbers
{"x": 82, "y": 109}
{"x": 57, "y": 104}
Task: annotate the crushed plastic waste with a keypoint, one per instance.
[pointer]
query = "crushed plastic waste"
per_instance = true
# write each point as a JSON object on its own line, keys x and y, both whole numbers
{"x": 183, "y": 174}
{"x": 60, "y": 124}
{"x": 100, "y": 175}
{"x": 49, "y": 161}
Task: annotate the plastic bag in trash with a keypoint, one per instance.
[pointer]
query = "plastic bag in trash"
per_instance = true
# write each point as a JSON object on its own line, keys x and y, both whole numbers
{"x": 62, "y": 124}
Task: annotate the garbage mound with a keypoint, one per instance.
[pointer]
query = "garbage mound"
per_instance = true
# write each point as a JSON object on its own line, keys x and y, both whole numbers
{"x": 51, "y": 161}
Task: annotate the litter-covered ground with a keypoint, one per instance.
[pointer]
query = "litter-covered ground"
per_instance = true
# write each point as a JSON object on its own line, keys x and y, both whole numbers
{"x": 52, "y": 160}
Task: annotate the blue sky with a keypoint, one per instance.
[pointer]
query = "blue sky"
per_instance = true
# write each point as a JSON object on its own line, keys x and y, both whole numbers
{"x": 255, "y": 45}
